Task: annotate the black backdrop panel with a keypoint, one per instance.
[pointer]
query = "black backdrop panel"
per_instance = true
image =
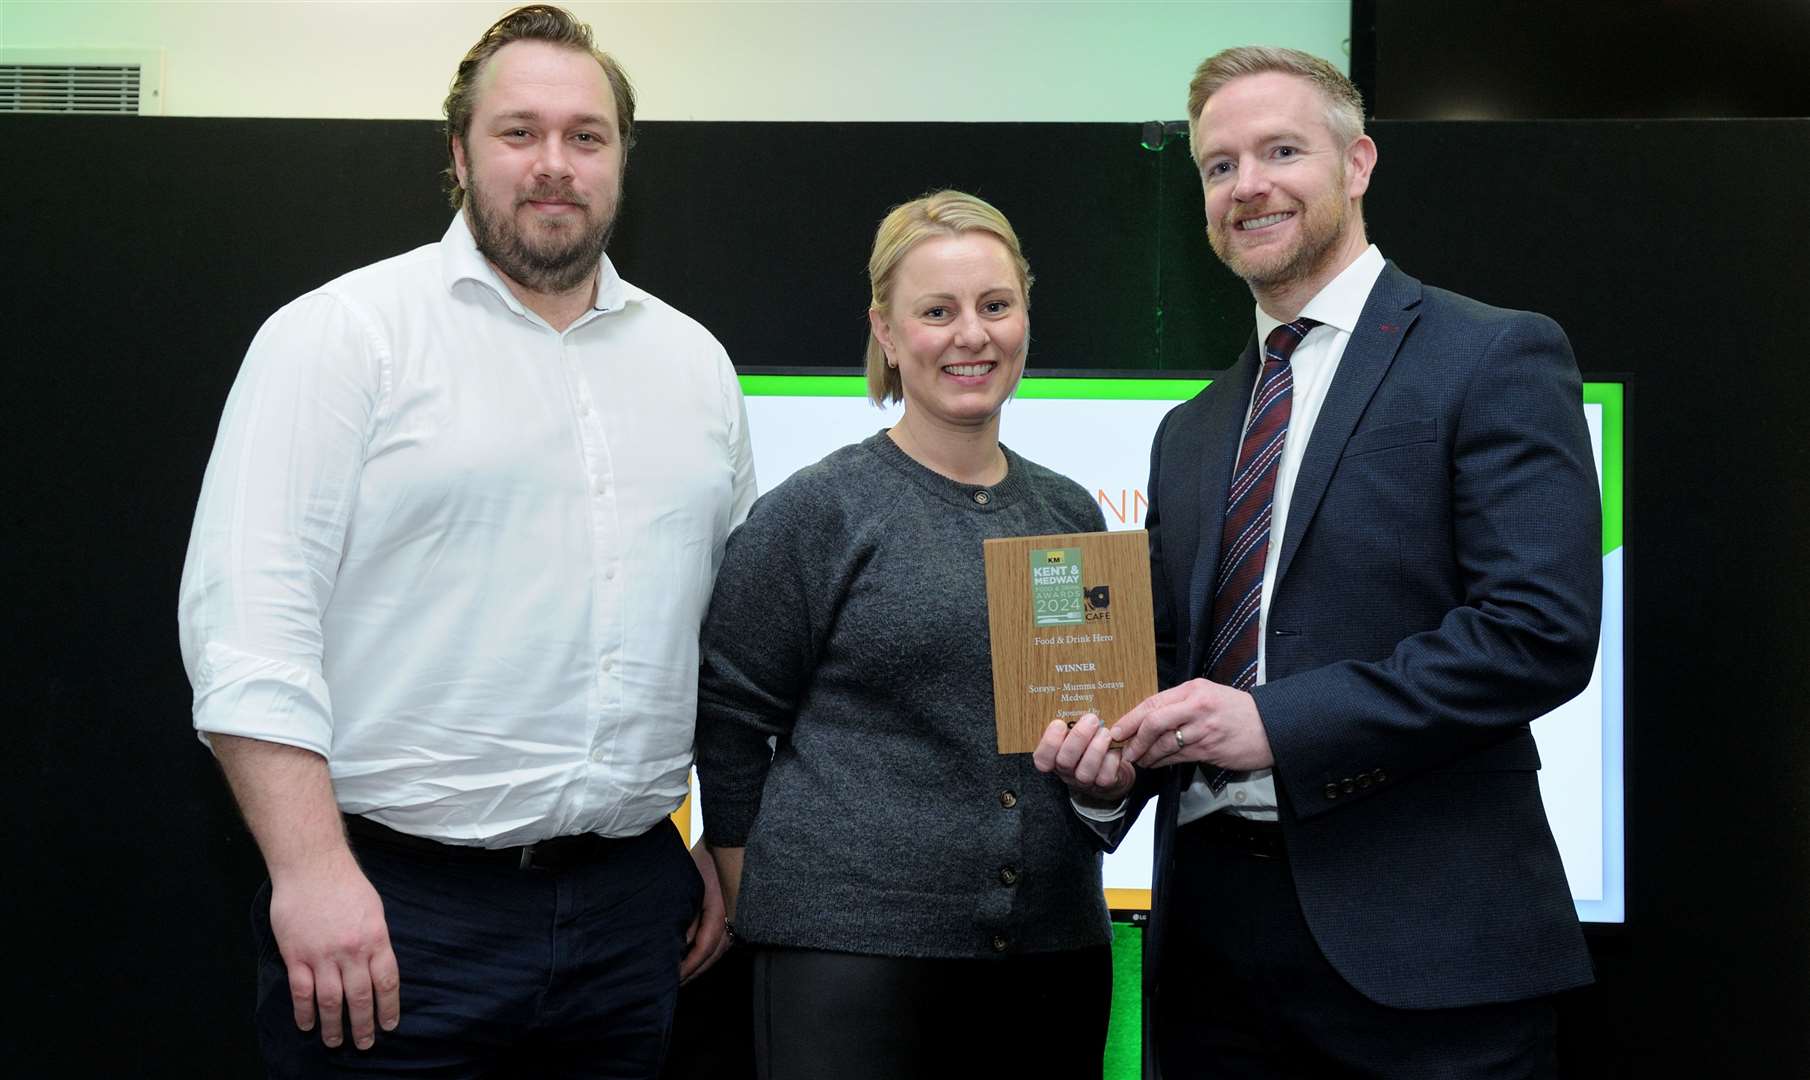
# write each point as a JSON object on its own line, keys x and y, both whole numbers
{"x": 764, "y": 230}
{"x": 1432, "y": 59}
{"x": 143, "y": 255}
{"x": 1674, "y": 254}
{"x": 761, "y": 231}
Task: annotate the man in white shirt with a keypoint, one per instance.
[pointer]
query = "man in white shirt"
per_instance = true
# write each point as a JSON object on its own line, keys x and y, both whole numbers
{"x": 1375, "y": 552}
{"x": 443, "y": 593}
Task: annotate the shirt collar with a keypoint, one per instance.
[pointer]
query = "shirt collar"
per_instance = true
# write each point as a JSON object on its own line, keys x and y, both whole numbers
{"x": 1341, "y": 302}
{"x": 461, "y": 261}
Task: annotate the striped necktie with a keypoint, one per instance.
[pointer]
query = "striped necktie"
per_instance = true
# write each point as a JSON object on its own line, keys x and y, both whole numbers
{"x": 1244, "y": 544}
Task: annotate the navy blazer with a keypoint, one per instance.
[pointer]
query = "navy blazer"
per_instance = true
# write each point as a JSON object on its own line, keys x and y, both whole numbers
{"x": 1439, "y": 587}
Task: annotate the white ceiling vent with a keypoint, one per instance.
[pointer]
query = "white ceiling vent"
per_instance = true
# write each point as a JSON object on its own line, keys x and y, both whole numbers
{"x": 123, "y": 82}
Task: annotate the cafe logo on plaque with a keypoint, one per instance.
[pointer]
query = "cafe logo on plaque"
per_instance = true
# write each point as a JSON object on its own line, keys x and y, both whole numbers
{"x": 1057, "y": 596}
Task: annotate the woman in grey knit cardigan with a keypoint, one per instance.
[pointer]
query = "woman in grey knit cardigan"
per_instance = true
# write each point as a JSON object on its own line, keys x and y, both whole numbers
{"x": 911, "y": 894}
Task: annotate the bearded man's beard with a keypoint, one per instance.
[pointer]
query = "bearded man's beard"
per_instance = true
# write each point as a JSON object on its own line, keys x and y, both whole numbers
{"x": 556, "y": 263}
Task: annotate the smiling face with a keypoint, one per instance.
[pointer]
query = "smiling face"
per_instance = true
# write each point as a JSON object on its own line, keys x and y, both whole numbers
{"x": 1281, "y": 191}
{"x": 541, "y": 165}
{"x": 956, "y": 328}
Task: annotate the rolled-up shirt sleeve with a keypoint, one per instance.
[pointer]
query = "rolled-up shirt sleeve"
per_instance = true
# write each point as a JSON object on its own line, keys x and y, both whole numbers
{"x": 271, "y": 523}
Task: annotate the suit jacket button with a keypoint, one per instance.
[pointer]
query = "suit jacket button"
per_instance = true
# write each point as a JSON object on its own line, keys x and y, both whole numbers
{"x": 1378, "y": 774}
{"x": 999, "y": 943}
{"x": 1363, "y": 780}
{"x": 1347, "y": 785}
{"x": 1332, "y": 791}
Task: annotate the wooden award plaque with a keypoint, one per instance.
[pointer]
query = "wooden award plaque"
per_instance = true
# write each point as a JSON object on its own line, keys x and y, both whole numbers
{"x": 1072, "y": 630}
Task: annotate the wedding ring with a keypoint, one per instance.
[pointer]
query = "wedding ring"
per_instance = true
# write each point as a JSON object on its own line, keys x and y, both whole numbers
{"x": 1178, "y": 738}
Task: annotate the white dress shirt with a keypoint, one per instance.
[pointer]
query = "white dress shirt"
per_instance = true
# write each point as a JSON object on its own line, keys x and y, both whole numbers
{"x": 464, "y": 556}
{"x": 1315, "y": 361}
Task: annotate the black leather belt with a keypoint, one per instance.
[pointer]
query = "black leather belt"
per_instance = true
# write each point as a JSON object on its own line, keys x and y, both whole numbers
{"x": 1259, "y": 839}
{"x": 554, "y": 854}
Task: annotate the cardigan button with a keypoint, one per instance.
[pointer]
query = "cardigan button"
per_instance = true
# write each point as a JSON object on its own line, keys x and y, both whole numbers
{"x": 982, "y": 497}
{"x": 1000, "y": 943}
{"x": 1008, "y": 799}
{"x": 1008, "y": 876}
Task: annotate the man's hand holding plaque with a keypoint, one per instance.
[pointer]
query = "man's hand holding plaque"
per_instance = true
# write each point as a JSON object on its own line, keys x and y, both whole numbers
{"x": 1199, "y": 721}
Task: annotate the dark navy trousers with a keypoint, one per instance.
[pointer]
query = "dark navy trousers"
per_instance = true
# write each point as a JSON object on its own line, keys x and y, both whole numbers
{"x": 570, "y": 972}
{"x": 1247, "y": 994}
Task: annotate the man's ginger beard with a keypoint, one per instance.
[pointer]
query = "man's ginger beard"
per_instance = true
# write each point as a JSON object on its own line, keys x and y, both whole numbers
{"x": 1321, "y": 225}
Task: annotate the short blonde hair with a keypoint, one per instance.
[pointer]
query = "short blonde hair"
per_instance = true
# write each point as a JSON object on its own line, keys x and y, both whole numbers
{"x": 940, "y": 213}
{"x": 1344, "y": 105}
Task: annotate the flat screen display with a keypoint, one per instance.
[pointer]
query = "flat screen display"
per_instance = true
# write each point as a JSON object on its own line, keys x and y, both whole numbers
{"x": 796, "y": 419}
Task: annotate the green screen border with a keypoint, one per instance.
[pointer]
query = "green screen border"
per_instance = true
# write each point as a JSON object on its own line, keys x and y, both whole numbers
{"x": 1030, "y": 388}
{"x": 1606, "y": 394}
{"x": 1609, "y": 396}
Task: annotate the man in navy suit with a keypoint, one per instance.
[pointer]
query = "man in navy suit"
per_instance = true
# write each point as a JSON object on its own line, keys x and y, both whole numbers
{"x": 1354, "y": 873}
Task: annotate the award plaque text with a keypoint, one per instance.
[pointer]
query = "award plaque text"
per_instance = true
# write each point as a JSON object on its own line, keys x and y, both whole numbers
{"x": 1072, "y": 630}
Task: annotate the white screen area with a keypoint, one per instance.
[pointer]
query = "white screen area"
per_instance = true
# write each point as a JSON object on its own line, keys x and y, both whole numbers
{"x": 1580, "y": 742}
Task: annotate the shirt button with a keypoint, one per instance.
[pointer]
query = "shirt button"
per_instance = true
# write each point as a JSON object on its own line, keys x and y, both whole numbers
{"x": 597, "y": 756}
{"x": 584, "y": 409}
{"x": 1239, "y": 795}
{"x": 982, "y": 497}
{"x": 1008, "y": 799}
{"x": 609, "y": 573}
{"x": 606, "y": 663}
{"x": 1008, "y": 876}
{"x": 603, "y": 486}
{"x": 1000, "y": 943}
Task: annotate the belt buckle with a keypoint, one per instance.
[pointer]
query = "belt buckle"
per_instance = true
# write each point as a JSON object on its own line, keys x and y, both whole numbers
{"x": 527, "y": 862}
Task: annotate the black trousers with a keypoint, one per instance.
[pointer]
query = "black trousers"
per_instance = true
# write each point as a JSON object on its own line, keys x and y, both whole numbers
{"x": 546, "y": 973}
{"x": 836, "y": 1016}
{"x": 1246, "y": 992}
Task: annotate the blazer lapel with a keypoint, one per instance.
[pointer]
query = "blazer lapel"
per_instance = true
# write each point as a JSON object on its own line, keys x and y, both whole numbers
{"x": 1222, "y": 426}
{"x": 1382, "y": 327}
